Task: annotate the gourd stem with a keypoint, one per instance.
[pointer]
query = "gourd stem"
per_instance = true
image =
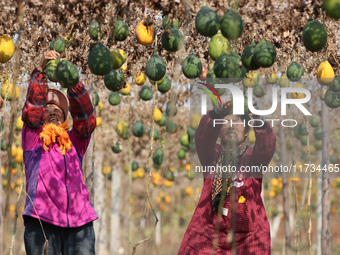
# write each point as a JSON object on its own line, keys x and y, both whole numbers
{"x": 137, "y": 114}
{"x": 264, "y": 32}
{"x": 293, "y": 55}
{"x": 310, "y": 14}
{"x": 229, "y": 3}
{"x": 285, "y": 66}
{"x": 155, "y": 52}
{"x": 235, "y": 45}
{"x": 99, "y": 30}
{"x": 113, "y": 31}
{"x": 336, "y": 62}
{"x": 204, "y": 3}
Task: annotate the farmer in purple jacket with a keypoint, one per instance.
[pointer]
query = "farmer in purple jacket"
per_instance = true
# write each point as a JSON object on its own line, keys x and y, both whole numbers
{"x": 56, "y": 192}
{"x": 251, "y": 226}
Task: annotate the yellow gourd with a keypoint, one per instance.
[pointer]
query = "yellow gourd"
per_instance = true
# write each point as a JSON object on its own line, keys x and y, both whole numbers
{"x": 145, "y": 32}
{"x": 188, "y": 191}
{"x": 325, "y": 73}
{"x": 6, "y": 48}
{"x": 13, "y": 92}
{"x": 19, "y": 124}
{"x": 124, "y": 67}
{"x": 14, "y": 151}
{"x": 119, "y": 58}
{"x": 121, "y": 127}
{"x": 275, "y": 182}
{"x": 17, "y": 92}
{"x": 157, "y": 179}
{"x": 284, "y": 82}
{"x": 140, "y": 172}
{"x": 251, "y": 80}
{"x": 106, "y": 170}
{"x": 100, "y": 106}
{"x": 167, "y": 199}
{"x": 251, "y": 136}
{"x": 158, "y": 82}
{"x": 168, "y": 183}
{"x": 99, "y": 121}
{"x": 296, "y": 95}
{"x": 126, "y": 90}
{"x": 157, "y": 114}
{"x": 140, "y": 78}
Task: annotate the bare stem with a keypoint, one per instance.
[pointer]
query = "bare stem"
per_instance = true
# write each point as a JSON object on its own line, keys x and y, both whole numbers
{"x": 149, "y": 179}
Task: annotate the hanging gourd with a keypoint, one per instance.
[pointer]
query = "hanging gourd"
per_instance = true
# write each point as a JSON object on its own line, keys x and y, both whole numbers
{"x": 172, "y": 39}
{"x": 217, "y": 45}
{"x": 314, "y": 35}
{"x": 165, "y": 85}
{"x": 294, "y": 71}
{"x": 332, "y": 99}
{"x": 145, "y": 32}
{"x": 232, "y": 25}
{"x": 325, "y": 74}
{"x": 228, "y": 66}
{"x": 335, "y": 85}
{"x": 166, "y": 22}
{"x": 247, "y": 57}
{"x": 252, "y": 79}
{"x": 192, "y": 66}
{"x": 332, "y": 8}
{"x": 272, "y": 79}
{"x": 264, "y": 54}
{"x": 121, "y": 30}
{"x": 284, "y": 82}
{"x": 6, "y": 48}
{"x": 59, "y": 45}
{"x": 258, "y": 91}
{"x": 155, "y": 67}
{"x": 94, "y": 30}
{"x": 207, "y": 21}
{"x": 298, "y": 95}
{"x": 100, "y": 59}
{"x": 114, "y": 80}
{"x": 50, "y": 69}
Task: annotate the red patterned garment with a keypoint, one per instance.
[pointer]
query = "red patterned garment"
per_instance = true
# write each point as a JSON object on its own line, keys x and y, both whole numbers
{"x": 252, "y": 226}
{"x": 82, "y": 112}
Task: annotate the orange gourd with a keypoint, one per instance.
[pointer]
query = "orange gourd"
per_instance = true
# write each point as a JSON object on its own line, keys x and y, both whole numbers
{"x": 145, "y": 32}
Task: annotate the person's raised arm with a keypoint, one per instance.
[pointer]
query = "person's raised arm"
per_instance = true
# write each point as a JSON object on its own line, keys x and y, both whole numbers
{"x": 264, "y": 148}
{"x": 33, "y": 112}
{"x": 81, "y": 108}
{"x": 206, "y": 135}
{"x": 265, "y": 144}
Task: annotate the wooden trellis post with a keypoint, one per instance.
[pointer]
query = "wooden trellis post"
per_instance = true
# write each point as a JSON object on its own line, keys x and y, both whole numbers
{"x": 285, "y": 193}
{"x": 115, "y": 210}
{"x": 326, "y": 202}
{"x": 99, "y": 205}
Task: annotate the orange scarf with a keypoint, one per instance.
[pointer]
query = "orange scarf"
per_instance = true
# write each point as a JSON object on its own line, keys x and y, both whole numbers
{"x": 52, "y": 133}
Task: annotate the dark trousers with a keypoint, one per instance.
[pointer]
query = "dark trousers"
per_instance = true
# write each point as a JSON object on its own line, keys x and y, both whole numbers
{"x": 65, "y": 241}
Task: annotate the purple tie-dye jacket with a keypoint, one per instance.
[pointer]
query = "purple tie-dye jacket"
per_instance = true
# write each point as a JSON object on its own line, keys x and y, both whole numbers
{"x": 55, "y": 183}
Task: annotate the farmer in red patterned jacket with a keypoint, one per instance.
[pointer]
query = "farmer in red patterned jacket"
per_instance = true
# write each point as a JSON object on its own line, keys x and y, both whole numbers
{"x": 251, "y": 227}
{"x": 56, "y": 193}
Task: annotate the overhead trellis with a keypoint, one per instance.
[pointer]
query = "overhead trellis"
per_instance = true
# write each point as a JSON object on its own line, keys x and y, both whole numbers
{"x": 281, "y": 23}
